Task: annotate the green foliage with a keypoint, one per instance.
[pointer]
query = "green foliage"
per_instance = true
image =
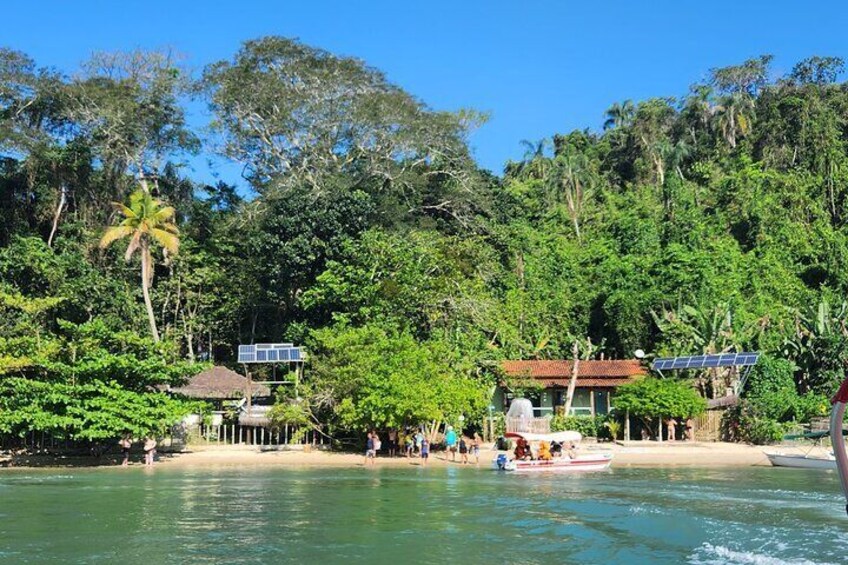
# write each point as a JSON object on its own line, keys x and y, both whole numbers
{"x": 94, "y": 411}
{"x": 651, "y": 397}
{"x": 587, "y": 426}
{"x": 770, "y": 403}
{"x": 377, "y": 378}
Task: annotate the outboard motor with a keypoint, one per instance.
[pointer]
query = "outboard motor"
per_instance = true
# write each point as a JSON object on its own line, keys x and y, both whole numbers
{"x": 501, "y": 461}
{"x": 839, "y": 402}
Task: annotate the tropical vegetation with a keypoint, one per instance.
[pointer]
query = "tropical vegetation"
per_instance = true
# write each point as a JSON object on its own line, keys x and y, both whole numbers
{"x": 362, "y": 228}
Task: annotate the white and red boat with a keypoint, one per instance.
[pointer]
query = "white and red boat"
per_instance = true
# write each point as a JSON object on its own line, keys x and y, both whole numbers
{"x": 566, "y": 460}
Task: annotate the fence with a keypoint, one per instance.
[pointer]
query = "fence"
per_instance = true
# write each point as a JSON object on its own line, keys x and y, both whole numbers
{"x": 179, "y": 437}
{"x": 235, "y": 434}
{"x": 708, "y": 426}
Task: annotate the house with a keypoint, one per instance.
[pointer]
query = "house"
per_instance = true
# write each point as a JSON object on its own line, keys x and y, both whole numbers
{"x": 596, "y": 384}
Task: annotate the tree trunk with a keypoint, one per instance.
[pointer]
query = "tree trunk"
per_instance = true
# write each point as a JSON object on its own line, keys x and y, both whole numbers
{"x": 572, "y": 384}
{"x": 62, "y": 199}
{"x": 145, "y": 283}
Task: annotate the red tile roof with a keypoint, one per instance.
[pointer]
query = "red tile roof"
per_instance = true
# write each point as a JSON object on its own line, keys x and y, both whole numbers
{"x": 590, "y": 373}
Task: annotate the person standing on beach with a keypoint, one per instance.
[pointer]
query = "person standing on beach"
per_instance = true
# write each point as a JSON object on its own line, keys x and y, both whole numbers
{"x": 425, "y": 451}
{"x": 450, "y": 443}
{"x": 475, "y": 447}
{"x": 463, "y": 450}
{"x": 672, "y": 429}
{"x": 409, "y": 444}
{"x": 393, "y": 442}
{"x": 126, "y": 444}
{"x": 369, "y": 449}
{"x": 378, "y": 445}
{"x": 149, "y": 450}
{"x": 419, "y": 440}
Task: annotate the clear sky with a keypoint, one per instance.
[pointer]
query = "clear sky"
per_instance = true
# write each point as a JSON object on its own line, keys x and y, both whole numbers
{"x": 539, "y": 67}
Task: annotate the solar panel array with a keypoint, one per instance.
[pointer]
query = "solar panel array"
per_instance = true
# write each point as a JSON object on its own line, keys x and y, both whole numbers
{"x": 704, "y": 361}
{"x": 270, "y": 353}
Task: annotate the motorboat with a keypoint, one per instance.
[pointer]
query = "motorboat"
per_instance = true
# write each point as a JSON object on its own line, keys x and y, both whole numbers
{"x": 804, "y": 460}
{"x": 538, "y": 458}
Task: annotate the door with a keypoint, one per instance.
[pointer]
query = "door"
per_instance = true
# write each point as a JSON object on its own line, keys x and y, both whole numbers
{"x": 601, "y": 402}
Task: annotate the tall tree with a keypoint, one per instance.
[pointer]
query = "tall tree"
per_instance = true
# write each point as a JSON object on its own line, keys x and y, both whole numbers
{"x": 572, "y": 179}
{"x": 301, "y": 116}
{"x": 146, "y": 221}
{"x": 620, "y": 114}
{"x": 734, "y": 116}
{"x": 128, "y": 104}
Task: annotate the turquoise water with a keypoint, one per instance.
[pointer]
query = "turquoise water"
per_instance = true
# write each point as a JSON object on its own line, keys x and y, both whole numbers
{"x": 435, "y": 515}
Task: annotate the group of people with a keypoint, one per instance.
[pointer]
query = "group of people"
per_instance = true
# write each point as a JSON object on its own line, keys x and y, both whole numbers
{"x": 415, "y": 443}
{"x": 546, "y": 451}
{"x": 149, "y": 445}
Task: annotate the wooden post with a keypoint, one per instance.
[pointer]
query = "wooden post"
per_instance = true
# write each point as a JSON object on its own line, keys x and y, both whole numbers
{"x": 249, "y": 391}
{"x": 627, "y": 425}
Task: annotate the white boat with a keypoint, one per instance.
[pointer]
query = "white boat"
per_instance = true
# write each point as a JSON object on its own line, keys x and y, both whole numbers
{"x": 802, "y": 461}
{"x": 597, "y": 461}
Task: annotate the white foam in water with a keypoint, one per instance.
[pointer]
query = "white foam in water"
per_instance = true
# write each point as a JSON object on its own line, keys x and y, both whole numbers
{"x": 710, "y": 554}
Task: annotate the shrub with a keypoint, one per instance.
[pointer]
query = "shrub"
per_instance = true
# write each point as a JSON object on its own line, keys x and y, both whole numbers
{"x": 762, "y": 431}
{"x": 587, "y": 426}
{"x": 651, "y": 397}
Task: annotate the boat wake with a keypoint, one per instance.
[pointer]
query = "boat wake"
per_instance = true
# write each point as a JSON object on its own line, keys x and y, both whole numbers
{"x": 709, "y": 554}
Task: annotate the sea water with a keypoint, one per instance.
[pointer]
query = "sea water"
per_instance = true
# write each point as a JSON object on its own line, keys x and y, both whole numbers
{"x": 415, "y": 515}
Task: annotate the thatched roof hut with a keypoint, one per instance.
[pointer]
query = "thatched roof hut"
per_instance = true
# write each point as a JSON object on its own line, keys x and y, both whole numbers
{"x": 220, "y": 383}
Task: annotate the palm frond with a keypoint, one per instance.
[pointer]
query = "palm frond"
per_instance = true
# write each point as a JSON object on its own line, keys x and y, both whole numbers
{"x": 113, "y": 234}
{"x": 167, "y": 239}
{"x": 164, "y": 214}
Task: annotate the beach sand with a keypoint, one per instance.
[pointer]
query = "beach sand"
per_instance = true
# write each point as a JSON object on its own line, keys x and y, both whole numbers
{"x": 633, "y": 454}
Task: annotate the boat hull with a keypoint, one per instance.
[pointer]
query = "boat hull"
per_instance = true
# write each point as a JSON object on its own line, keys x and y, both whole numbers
{"x": 801, "y": 461}
{"x": 560, "y": 464}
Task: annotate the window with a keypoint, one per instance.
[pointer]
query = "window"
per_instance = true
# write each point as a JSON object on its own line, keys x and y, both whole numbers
{"x": 581, "y": 404}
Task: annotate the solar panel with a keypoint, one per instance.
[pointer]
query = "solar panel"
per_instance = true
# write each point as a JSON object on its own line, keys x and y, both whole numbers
{"x": 743, "y": 359}
{"x": 270, "y": 353}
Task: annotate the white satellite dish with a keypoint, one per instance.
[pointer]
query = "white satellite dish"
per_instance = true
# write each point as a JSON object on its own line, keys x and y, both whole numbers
{"x": 639, "y": 354}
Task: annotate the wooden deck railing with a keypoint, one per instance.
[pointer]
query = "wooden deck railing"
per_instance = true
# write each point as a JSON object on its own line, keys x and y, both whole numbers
{"x": 540, "y": 425}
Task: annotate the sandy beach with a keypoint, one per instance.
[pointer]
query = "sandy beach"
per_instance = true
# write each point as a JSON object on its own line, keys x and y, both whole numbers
{"x": 633, "y": 454}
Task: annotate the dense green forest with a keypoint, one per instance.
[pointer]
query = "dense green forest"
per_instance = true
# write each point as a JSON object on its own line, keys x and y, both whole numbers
{"x": 712, "y": 221}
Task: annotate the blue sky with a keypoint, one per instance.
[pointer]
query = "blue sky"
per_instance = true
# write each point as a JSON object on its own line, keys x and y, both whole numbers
{"x": 537, "y": 67}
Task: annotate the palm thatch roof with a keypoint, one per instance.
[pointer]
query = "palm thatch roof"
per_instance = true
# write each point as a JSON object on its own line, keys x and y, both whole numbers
{"x": 220, "y": 383}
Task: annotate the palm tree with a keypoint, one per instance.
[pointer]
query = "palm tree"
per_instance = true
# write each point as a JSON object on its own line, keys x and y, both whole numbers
{"x": 535, "y": 163}
{"x": 734, "y": 117}
{"x": 146, "y": 221}
{"x": 619, "y": 114}
{"x": 573, "y": 177}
